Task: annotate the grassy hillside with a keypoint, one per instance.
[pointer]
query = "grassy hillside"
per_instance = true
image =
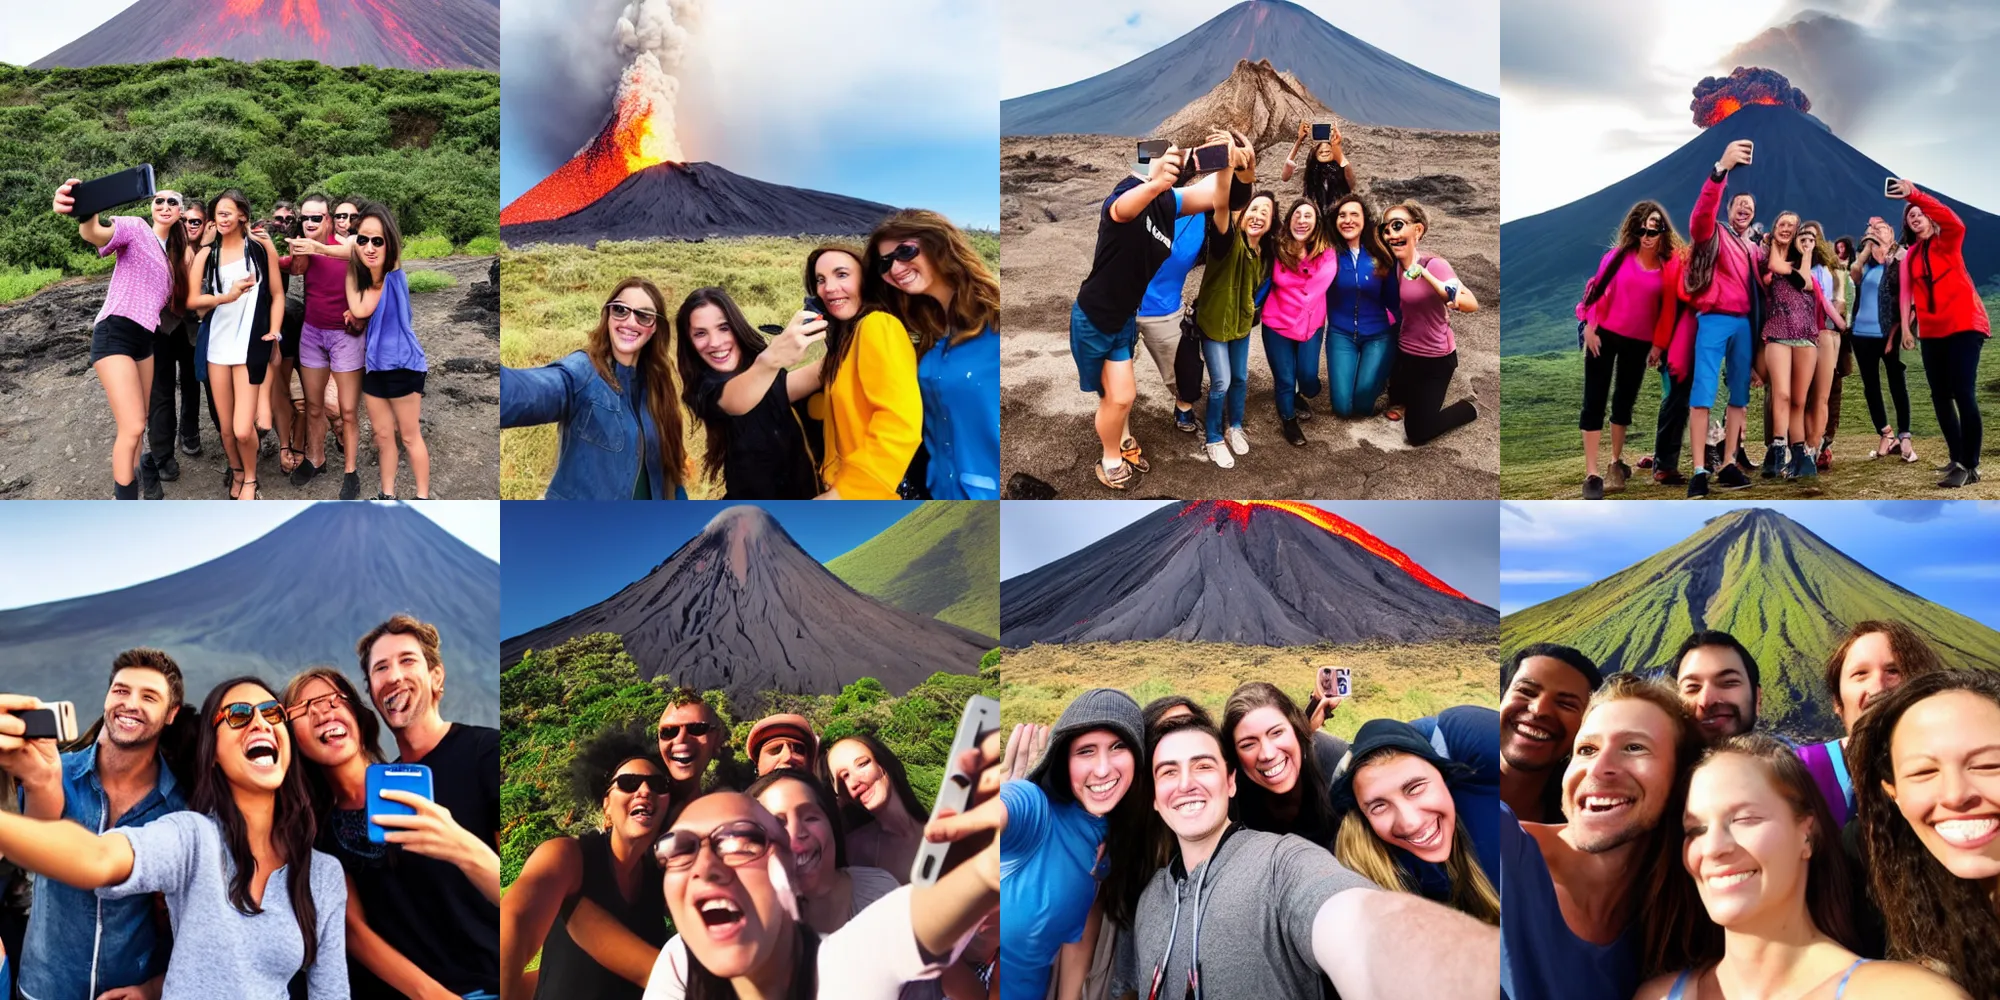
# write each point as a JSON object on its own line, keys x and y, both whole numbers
{"x": 426, "y": 144}
{"x": 1391, "y": 681}
{"x": 940, "y": 560}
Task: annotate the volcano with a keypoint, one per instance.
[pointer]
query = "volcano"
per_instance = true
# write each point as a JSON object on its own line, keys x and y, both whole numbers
{"x": 1261, "y": 572}
{"x": 1365, "y": 83}
{"x": 1785, "y": 592}
{"x": 743, "y": 609}
{"x": 1799, "y": 165}
{"x": 301, "y": 594}
{"x": 404, "y": 34}
{"x": 681, "y": 201}
{"x": 1256, "y": 100}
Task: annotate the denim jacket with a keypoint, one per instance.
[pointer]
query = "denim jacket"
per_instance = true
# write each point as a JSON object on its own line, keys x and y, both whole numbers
{"x": 600, "y": 450}
{"x": 78, "y": 945}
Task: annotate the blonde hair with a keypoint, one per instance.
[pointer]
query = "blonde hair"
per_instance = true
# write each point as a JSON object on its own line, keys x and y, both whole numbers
{"x": 1356, "y": 846}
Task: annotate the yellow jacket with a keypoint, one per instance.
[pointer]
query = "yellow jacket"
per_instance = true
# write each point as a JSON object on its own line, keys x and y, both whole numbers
{"x": 874, "y": 412}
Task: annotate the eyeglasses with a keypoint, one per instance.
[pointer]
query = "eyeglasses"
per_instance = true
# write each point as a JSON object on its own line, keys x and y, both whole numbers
{"x": 629, "y": 783}
{"x": 646, "y": 318}
{"x": 314, "y": 219}
{"x": 697, "y": 730}
{"x": 283, "y": 220}
{"x": 736, "y": 844}
{"x": 380, "y": 241}
{"x": 175, "y": 202}
{"x": 1651, "y": 232}
{"x": 324, "y": 703}
{"x": 904, "y": 254}
{"x": 239, "y": 714}
{"x": 1395, "y": 225}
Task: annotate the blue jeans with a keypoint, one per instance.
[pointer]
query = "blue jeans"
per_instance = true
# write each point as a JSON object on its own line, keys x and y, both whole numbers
{"x": 1294, "y": 368}
{"x": 1228, "y": 376}
{"x": 1356, "y": 370}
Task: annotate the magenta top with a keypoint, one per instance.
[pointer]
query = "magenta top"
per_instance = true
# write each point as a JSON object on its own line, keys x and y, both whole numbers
{"x": 141, "y": 280}
{"x": 1729, "y": 290}
{"x": 1630, "y": 305}
{"x": 1296, "y": 307}
{"x": 326, "y": 291}
{"x": 1426, "y": 330}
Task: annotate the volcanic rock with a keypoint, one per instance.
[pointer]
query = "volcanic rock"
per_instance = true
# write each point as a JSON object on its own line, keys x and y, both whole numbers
{"x": 405, "y": 34}
{"x": 695, "y": 201}
{"x": 1256, "y": 101}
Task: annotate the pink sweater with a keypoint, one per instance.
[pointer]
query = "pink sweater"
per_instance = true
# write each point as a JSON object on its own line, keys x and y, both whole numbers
{"x": 1630, "y": 305}
{"x": 1729, "y": 291}
{"x": 140, "y": 281}
{"x": 1296, "y": 307}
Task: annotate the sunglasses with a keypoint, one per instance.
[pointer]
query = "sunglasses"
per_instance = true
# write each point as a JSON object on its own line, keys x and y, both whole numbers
{"x": 646, "y": 317}
{"x": 315, "y": 219}
{"x": 324, "y": 703}
{"x": 175, "y": 202}
{"x": 902, "y": 254}
{"x": 1395, "y": 225}
{"x": 240, "y": 713}
{"x": 346, "y": 215}
{"x": 283, "y": 220}
{"x": 629, "y": 783}
{"x": 697, "y": 730}
{"x": 736, "y": 844}
{"x": 194, "y": 221}
{"x": 1652, "y": 232}
{"x": 380, "y": 241}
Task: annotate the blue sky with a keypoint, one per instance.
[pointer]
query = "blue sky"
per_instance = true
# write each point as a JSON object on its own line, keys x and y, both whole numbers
{"x": 51, "y": 550}
{"x": 565, "y": 556}
{"x": 1944, "y": 551}
{"x": 1453, "y": 539}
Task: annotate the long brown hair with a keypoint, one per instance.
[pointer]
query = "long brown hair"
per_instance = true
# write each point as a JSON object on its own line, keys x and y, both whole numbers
{"x": 1635, "y": 220}
{"x": 1931, "y": 915}
{"x": 1255, "y": 805}
{"x": 1822, "y": 250}
{"x": 656, "y": 368}
{"x": 840, "y": 332}
{"x": 392, "y": 250}
{"x": 1914, "y": 656}
{"x": 1357, "y": 847}
{"x": 368, "y": 728}
{"x": 1371, "y": 237}
{"x": 1292, "y": 251}
{"x": 975, "y": 300}
{"x": 693, "y": 370}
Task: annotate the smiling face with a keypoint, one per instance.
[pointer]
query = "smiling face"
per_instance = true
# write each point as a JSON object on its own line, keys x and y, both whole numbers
{"x": 1540, "y": 713}
{"x": 915, "y": 276}
{"x": 1268, "y": 748}
{"x": 1919, "y": 224}
{"x": 320, "y": 231}
{"x": 856, "y": 770}
{"x": 1620, "y": 775}
{"x": 1323, "y": 152}
{"x": 1257, "y": 217}
{"x": 1785, "y": 228}
{"x": 811, "y": 832}
{"x": 324, "y": 728}
{"x": 403, "y": 685}
{"x": 1746, "y": 847}
{"x": 256, "y": 756}
{"x": 1867, "y": 672}
{"x": 1100, "y": 770}
{"x": 634, "y": 815}
{"x": 1945, "y": 756}
{"x": 1192, "y": 785}
{"x": 1408, "y": 236}
{"x": 1714, "y": 683}
{"x": 732, "y": 919}
{"x": 630, "y": 334}
{"x": 1349, "y": 221}
{"x": 166, "y": 208}
{"x": 837, "y": 282}
{"x": 1407, "y": 804}
{"x": 1742, "y": 210}
{"x": 345, "y": 215}
{"x": 1304, "y": 219}
{"x": 686, "y": 754}
{"x": 714, "y": 339}
{"x": 137, "y": 706}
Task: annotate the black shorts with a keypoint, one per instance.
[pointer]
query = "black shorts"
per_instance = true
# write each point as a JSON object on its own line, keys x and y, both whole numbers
{"x": 295, "y": 321}
{"x": 115, "y": 335}
{"x": 392, "y": 384}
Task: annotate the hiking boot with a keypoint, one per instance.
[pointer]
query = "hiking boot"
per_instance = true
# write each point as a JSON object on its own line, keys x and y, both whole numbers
{"x": 1803, "y": 465}
{"x": 1302, "y": 407}
{"x": 149, "y": 479}
{"x": 1184, "y": 421}
{"x": 170, "y": 469}
{"x": 1617, "y": 476}
{"x": 1293, "y": 435}
{"x": 1593, "y": 487}
{"x": 1698, "y": 486}
{"x": 306, "y": 471}
{"x": 1668, "y": 477}
{"x": 1774, "y": 462}
{"x": 1219, "y": 454}
{"x": 1957, "y": 477}
{"x": 350, "y": 486}
{"x": 1732, "y": 478}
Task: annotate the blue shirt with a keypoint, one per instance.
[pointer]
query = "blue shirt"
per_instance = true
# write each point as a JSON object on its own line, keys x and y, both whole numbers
{"x": 607, "y": 433}
{"x": 78, "y": 946}
{"x": 1867, "y": 316}
{"x": 1470, "y": 735}
{"x": 1048, "y": 878}
{"x": 1163, "y": 293}
{"x": 961, "y": 393}
{"x": 1540, "y": 959}
{"x": 392, "y": 342}
{"x": 1354, "y": 302}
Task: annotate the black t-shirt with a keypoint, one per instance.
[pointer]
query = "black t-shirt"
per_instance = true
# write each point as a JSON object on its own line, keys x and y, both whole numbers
{"x": 767, "y": 457}
{"x": 1128, "y": 253}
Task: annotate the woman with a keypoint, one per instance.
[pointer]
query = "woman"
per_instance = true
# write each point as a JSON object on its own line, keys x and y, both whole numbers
{"x": 1329, "y": 178}
{"x": 885, "y": 820}
{"x": 1766, "y": 861}
{"x": 144, "y": 281}
{"x": 1620, "y": 311}
{"x": 327, "y": 348}
{"x": 744, "y": 392}
{"x": 1427, "y": 353}
{"x": 1793, "y": 315}
{"x": 1362, "y": 309}
{"x": 1876, "y": 339}
{"x": 1288, "y": 789}
{"x": 874, "y": 410}
{"x": 1225, "y": 311}
{"x": 1927, "y": 799}
{"x": 930, "y": 277}
{"x": 619, "y": 773}
{"x": 249, "y": 822}
{"x": 1302, "y": 270}
{"x": 830, "y": 889}
{"x": 231, "y": 282}
{"x": 620, "y": 428}
{"x": 1832, "y": 321}
{"x": 1941, "y": 303}
{"x": 392, "y": 383}
{"x": 1874, "y": 659}
{"x": 1399, "y": 825}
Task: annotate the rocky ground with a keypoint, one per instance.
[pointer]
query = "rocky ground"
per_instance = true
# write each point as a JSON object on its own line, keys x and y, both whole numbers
{"x": 56, "y": 429}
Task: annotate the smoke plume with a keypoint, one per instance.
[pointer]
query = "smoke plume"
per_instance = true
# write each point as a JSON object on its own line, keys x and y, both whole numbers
{"x": 653, "y": 36}
{"x": 1716, "y": 98}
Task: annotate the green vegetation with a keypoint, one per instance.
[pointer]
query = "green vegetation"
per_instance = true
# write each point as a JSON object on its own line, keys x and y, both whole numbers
{"x": 941, "y": 560}
{"x": 555, "y": 699}
{"x": 427, "y": 246}
{"x": 427, "y": 144}
{"x": 17, "y": 283}
{"x": 482, "y": 246}
{"x": 429, "y": 281}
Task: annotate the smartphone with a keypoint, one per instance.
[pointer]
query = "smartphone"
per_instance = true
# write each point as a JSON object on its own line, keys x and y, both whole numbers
{"x": 412, "y": 778}
{"x": 1152, "y": 149}
{"x": 814, "y": 305}
{"x": 121, "y": 188}
{"x": 1889, "y": 187}
{"x": 55, "y": 720}
{"x": 1749, "y": 150}
{"x": 1322, "y": 131}
{"x": 1326, "y": 689}
{"x": 1343, "y": 683}
{"x": 981, "y": 716}
{"x": 1209, "y": 159}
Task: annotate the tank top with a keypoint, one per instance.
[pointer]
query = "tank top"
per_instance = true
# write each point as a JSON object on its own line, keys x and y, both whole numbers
{"x": 566, "y": 970}
{"x": 1679, "y": 992}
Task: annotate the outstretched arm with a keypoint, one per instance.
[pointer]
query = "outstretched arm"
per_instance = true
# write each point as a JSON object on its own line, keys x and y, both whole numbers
{"x": 65, "y": 851}
{"x": 1381, "y": 945}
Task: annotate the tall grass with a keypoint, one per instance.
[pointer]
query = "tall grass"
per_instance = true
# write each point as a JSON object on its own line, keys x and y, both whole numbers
{"x": 19, "y": 283}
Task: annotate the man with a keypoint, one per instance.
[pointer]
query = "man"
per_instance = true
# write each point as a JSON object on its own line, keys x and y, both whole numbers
{"x": 1717, "y": 679}
{"x": 1545, "y": 688}
{"x": 79, "y": 947}
{"x": 438, "y": 902}
{"x": 1572, "y": 890}
{"x": 691, "y": 735}
{"x": 783, "y": 740}
{"x": 1722, "y": 286}
{"x": 1276, "y": 912}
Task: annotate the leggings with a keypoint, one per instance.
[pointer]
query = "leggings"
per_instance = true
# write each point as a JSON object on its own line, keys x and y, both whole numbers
{"x": 1628, "y": 357}
{"x": 1294, "y": 369}
{"x": 1877, "y": 355}
{"x": 1421, "y": 384}
{"x": 174, "y": 370}
{"x": 1670, "y": 424}
{"x": 1951, "y": 366}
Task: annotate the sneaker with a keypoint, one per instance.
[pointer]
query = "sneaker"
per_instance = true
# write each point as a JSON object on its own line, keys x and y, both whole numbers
{"x": 1668, "y": 477}
{"x": 191, "y": 446}
{"x": 1293, "y": 435}
{"x": 1824, "y": 460}
{"x": 350, "y": 486}
{"x": 306, "y": 471}
{"x": 1775, "y": 460}
{"x": 1698, "y": 486}
{"x": 170, "y": 469}
{"x": 1803, "y": 464}
{"x": 1184, "y": 421}
{"x": 1237, "y": 442}
{"x": 1617, "y": 476}
{"x": 1731, "y": 477}
{"x": 1219, "y": 454}
{"x": 1957, "y": 477}
{"x": 1593, "y": 487}
{"x": 1302, "y": 407}
{"x": 149, "y": 479}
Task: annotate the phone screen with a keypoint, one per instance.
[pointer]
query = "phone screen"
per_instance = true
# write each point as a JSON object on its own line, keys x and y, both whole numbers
{"x": 1322, "y": 131}
{"x": 1208, "y": 159}
{"x": 1889, "y": 186}
{"x": 1152, "y": 149}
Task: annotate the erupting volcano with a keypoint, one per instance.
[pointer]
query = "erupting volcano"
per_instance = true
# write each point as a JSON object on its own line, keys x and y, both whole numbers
{"x": 404, "y": 34}
{"x": 1716, "y": 98}
{"x": 628, "y": 143}
{"x": 1257, "y": 572}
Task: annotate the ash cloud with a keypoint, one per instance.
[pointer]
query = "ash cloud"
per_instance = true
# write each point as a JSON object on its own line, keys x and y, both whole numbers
{"x": 1718, "y": 97}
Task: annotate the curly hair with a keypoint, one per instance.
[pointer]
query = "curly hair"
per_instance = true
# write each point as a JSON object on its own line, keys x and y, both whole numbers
{"x": 598, "y": 761}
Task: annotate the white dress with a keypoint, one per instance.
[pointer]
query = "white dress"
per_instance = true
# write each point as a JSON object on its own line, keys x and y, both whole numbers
{"x": 229, "y": 326}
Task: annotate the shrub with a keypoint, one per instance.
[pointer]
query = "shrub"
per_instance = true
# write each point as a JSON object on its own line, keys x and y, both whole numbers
{"x": 426, "y": 246}
{"x": 18, "y": 284}
{"x": 429, "y": 281}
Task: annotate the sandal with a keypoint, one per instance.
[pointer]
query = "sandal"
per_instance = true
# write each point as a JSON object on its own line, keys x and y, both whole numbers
{"x": 1129, "y": 449}
{"x": 286, "y": 463}
{"x": 1120, "y": 480}
{"x": 251, "y": 485}
{"x": 1903, "y": 445}
{"x": 1886, "y": 448}
{"x": 231, "y": 473}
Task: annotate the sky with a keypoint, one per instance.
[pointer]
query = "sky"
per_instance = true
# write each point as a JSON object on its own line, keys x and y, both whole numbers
{"x": 1052, "y": 43}
{"x": 51, "y": 550}
{"x": 833, "y": 97}
{"x": 1452, "y": 538}
{"x": 34, "y": 30}
{"x": 1946, "y": 552}
{"x": 1594, "y": 92}
{"x": 563, "y": 557}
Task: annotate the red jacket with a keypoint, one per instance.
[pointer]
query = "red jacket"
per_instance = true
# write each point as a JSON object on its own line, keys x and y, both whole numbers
{"x": 1673, "y": 333}
{"x": 1935, "y": 281}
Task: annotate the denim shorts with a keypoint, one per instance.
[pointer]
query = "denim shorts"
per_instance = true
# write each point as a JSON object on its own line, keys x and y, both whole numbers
{"x": 1092, "y": 347}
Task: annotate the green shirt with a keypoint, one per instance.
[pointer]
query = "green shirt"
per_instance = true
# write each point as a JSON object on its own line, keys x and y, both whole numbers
{"x": 1226, "y": 306}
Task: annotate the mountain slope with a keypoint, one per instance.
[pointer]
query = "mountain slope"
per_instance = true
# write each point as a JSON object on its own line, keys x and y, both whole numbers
{"x": 1762, "y": 577}
{"x": 409, "y": 34}
{"x": 693, "y": 201}
{"x": 1257, "y": 100}
{"x": 1360, "y": 81}
{"x": 941, "y": 560}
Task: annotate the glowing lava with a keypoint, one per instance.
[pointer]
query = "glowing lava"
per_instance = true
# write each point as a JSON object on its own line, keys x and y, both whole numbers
{"x": 1239, "y": 512}
{"x": 1716, "y": 98}
{"x": 627, "y": 144}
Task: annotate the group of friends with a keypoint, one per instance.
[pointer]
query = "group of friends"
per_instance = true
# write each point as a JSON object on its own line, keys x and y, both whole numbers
{"x": 1149, "y": 852}
{"x": 1790, "y": 309}
{"x": 1334, "y": 271}
{"x": 1657, "y": 844}
{"x": 903, "y": 402}
{"x": 206, "y": 290}
{"x": 249, "y": 819}
{"x": 788, "y": 876}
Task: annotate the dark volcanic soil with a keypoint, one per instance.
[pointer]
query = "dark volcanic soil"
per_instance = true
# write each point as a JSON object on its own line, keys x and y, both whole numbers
{"x": 695, "y": 201}
{"x": 408, "y": 34}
